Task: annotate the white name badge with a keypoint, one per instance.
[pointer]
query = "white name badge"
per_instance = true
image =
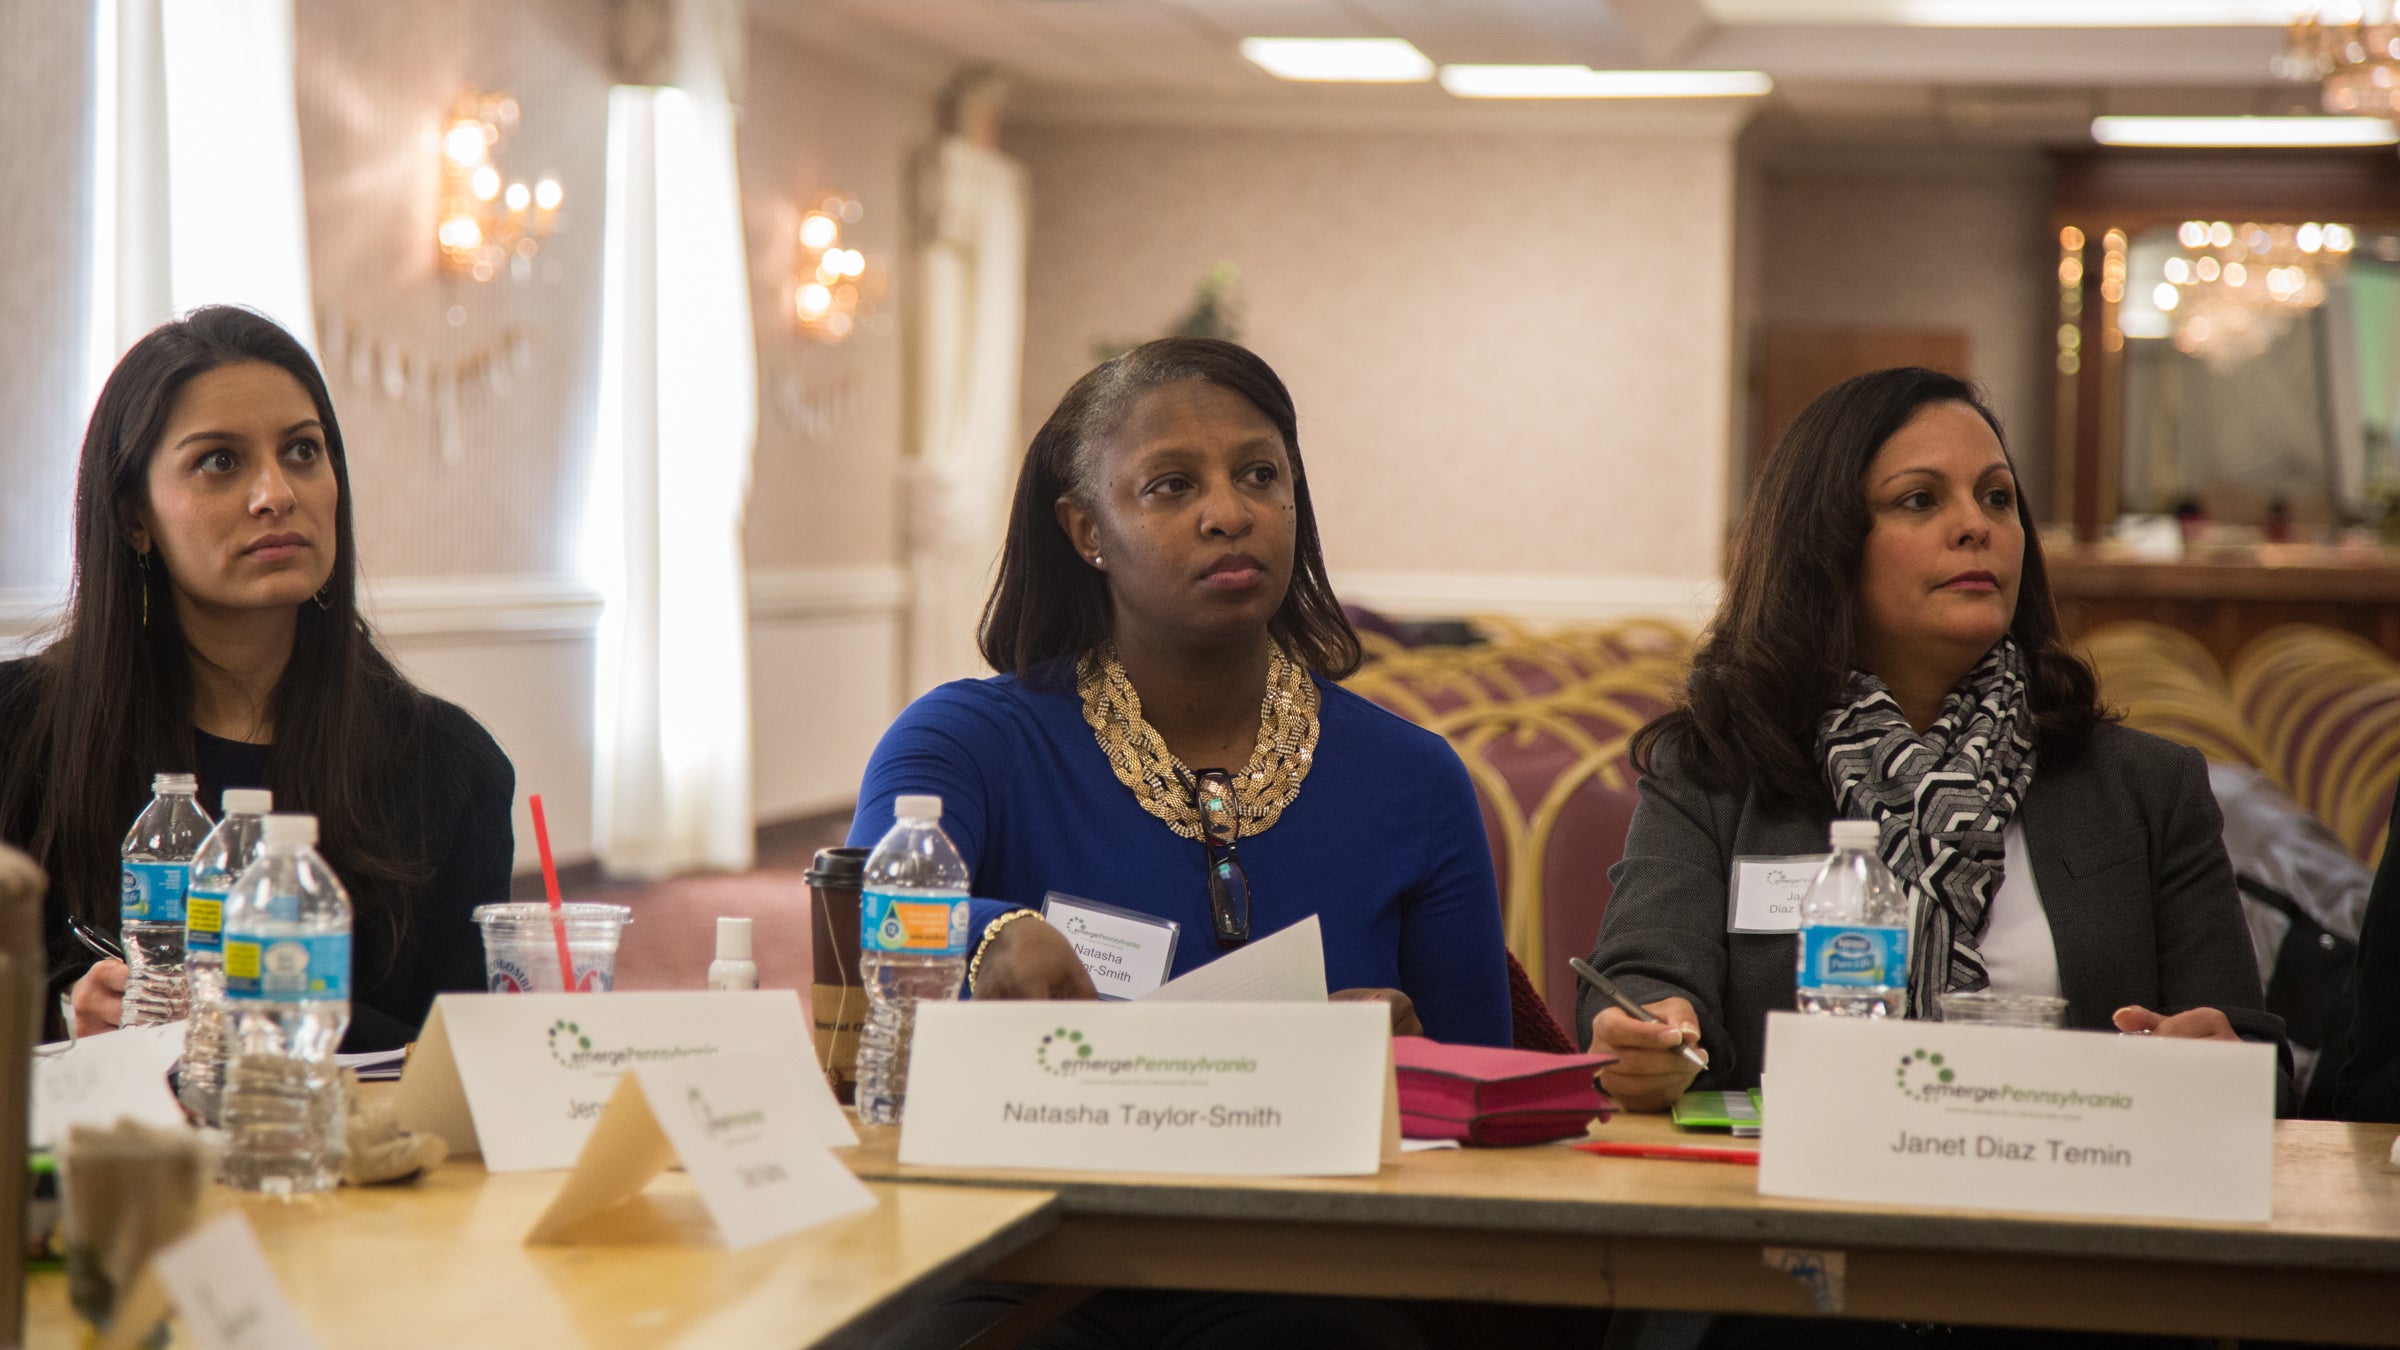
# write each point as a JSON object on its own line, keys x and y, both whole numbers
{"x": 1767, "y": 891}
{"x": 2066, "y": 1122}
{"x": 520, "y": 1078}
{"x": 1228, "y": 1089}
{"x": 1127, "y": 954}
{"x": 744, "y": 1125}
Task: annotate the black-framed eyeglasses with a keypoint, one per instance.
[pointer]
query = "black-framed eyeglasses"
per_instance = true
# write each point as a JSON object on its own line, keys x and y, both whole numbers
{"x": 1220, "y": 834}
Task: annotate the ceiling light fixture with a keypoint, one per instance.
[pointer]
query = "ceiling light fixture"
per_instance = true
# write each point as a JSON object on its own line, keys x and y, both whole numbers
{"x": 1342, "y": 60}
{"x": 2009, "y": 13}
{"x": 2243, "y": 132}
{"x": 1585, "y": 82}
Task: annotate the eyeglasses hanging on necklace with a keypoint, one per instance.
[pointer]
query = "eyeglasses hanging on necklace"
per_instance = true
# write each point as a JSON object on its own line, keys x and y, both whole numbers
{"x": 1220, "y": 835}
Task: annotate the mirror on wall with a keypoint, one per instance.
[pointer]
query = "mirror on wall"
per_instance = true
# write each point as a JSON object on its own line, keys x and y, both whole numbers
{"x": 2260, "y": 373}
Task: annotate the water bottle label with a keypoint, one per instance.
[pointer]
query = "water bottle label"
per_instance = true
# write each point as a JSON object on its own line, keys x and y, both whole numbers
{"x": 1853, "y": 958}
{"x": 204, "y": 921}
{"x": 153, "y": 892}
{"x": 295, "y": 968}
{"x": 926, "y": 925}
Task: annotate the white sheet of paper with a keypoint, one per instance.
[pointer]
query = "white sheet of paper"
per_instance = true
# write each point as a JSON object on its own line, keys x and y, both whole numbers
{"x": 1225, "y": 1089}
{"x": 1767, "y": 891}
{"x": 2067, "y": 1122}
{"x": 744, "y": 1125}
{"x": 225, "y": 1292}
{"x": 1283, "y": 967}
{"x": 105, "y": 1078}
{"x": 520, "y": 1078}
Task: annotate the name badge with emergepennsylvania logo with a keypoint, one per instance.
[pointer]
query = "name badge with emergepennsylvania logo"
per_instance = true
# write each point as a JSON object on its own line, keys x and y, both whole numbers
{"x": 1767, "y": 891}
{"x": 520, "y": 1078}
{"x": 1988, "y": 1117}
{"x": 1230, "y": 1089}
{"x": 1128, "y": 954}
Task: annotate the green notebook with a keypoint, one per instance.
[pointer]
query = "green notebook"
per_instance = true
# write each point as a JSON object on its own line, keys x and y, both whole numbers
{"x": 1744, "y": 1113}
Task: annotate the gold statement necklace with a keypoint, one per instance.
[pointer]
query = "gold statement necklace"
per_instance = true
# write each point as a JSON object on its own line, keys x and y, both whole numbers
{"x": 1287, "y": 741}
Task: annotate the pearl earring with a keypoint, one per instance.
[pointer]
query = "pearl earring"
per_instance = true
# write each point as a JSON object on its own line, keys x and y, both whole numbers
{"x": 1096, "y": 560}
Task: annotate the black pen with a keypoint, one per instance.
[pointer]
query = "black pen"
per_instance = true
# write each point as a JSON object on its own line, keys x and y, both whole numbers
{"x": 1608, "y": 990}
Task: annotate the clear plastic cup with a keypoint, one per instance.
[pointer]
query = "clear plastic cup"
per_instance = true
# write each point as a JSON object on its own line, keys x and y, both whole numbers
{"x": 520, "y": 947}
{"x": 1999, "y": 1010}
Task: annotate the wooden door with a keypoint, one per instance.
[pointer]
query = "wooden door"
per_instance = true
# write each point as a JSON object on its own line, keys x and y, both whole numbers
{"x": 1797, "y": 362}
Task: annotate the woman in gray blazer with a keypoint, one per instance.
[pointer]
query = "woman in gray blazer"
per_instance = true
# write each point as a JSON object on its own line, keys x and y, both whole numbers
{"x": 1887, "y": 650}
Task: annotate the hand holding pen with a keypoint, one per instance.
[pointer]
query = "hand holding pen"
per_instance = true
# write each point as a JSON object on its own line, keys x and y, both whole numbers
{"x": 1656, "y": 1060}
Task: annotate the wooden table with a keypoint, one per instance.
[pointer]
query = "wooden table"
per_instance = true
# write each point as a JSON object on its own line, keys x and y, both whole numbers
{"x": 441, "y": 1263}
{"x": 1552, "y": 1225}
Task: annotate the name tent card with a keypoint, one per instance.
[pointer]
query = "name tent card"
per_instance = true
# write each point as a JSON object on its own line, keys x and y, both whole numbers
{"x": 521, "y": 1078}
{"x": 219, "y": 1281}
{"x": 2066, "y": 1122}
{"x": 746, "y": 1127}
{"x": 1228, "y": 1089}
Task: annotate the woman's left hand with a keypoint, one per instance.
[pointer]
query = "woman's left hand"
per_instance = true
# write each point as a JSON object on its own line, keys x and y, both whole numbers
{"x": 2199, "y": 1024}
{"x": 1404, "y": 1012}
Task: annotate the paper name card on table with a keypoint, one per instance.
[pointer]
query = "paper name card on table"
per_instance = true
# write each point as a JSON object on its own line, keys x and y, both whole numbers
{"x": 1287, "y": 966}
{"x": 521, "y": 1078}
{"x": 99, "y": 1080}
{"x": 2065, "y": 1122}
{"x": 745, "y": 1127}
{"x": 226, "y": 1294}
{"x": 1228, "y": 1089}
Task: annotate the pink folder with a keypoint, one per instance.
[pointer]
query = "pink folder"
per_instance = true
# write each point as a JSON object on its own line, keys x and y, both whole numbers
{"x": 1482, "y": 1095}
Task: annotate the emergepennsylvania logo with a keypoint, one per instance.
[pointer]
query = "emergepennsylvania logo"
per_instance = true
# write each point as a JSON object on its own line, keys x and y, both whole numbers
{"x": 1928, "y": 1077}
{"x": 1064, "y": 1053}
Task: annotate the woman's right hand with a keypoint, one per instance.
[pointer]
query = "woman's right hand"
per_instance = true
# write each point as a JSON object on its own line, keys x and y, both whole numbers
{"x": 1031, "y": 960}
{"x": 99, "y": 998}
{"x": 1649, "y": 1073}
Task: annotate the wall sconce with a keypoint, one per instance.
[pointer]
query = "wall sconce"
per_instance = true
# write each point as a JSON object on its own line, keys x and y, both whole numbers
{"x": 831, "y": 284}
{"x": 487, "y": 224}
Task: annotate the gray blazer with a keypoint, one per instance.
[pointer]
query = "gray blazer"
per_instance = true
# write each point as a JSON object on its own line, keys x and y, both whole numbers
{"x": 2126, "y": 855}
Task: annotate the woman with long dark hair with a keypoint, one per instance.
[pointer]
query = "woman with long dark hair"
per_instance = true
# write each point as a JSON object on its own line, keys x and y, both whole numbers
{"x": 1165, "y": 733}
{"x": 213, "y": 628}
{"x": 1888, "y": 650}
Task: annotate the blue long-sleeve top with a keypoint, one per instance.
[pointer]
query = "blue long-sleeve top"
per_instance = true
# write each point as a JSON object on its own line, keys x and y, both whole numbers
{"x": 1384, "y": 842}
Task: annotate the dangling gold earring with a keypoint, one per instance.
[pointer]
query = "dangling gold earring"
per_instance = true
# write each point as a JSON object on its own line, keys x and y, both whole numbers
{"x": 319, "y": 597}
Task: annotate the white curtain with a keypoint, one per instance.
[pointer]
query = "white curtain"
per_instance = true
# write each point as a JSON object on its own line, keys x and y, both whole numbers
{"x": 970, "y": 318}
{"x": 677, "y": 420}
{"x": 197, "y": 197}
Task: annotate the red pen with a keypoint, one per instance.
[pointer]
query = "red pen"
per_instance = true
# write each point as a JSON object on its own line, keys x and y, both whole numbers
{"x": 1686, "y": 1152}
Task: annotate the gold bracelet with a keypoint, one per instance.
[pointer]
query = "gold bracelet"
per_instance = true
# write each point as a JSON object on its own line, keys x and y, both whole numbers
{"x": 992, "y": 930}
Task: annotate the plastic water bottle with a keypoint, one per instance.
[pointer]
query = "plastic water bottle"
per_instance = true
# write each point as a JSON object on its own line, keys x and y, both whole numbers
{"x": 912, "y": 939}
{"x": 1855, "y": 922}
{"x": 157, "y": 860}
{"x": 224, "y": 855}
{"x": 287, "y": 984}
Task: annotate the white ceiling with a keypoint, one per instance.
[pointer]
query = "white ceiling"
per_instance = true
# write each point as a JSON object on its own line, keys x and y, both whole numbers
{"x": 1841, "y": 66}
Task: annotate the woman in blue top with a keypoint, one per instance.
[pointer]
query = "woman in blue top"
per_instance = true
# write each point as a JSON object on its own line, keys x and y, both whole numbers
{"x": 1166, "y": 735}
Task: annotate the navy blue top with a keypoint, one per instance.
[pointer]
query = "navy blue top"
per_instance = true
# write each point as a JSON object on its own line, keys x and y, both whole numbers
{"x": 1384, "y": 842}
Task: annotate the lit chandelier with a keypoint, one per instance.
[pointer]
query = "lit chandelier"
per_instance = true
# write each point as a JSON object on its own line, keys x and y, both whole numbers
{"x": 2352, "y": 47}
{"x": 2234, "y": 289}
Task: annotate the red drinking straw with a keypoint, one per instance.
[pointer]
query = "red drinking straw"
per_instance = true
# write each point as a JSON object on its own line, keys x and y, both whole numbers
{"x": 558, "y": 916}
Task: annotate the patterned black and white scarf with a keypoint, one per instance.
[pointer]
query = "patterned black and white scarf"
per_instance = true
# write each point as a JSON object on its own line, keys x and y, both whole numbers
{"x": 1942, "y": 799}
